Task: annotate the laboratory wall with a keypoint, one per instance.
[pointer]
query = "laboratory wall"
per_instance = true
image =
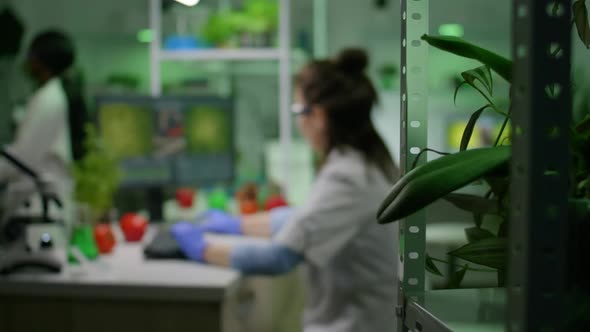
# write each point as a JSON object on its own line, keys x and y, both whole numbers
{"x": 106, "y": 33}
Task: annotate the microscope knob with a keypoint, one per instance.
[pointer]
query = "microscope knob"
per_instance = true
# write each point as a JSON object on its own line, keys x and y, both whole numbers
{"x": 46, "y": 241}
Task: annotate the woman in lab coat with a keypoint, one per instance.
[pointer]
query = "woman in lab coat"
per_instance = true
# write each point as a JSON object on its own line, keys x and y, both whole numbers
{"x": 351, "y": 260}
{"x": 43, "y": 140}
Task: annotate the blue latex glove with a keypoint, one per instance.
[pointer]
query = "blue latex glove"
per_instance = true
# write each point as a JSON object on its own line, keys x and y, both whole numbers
{"x": 190, "y": 240}
{"x": 220, "y": 222}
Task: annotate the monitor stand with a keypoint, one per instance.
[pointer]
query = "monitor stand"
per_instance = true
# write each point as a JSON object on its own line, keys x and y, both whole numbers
{"x": 155, "y": 199}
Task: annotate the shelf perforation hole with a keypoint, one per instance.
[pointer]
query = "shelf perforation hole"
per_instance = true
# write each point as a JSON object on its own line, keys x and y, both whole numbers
{"x": 404, "y": 70}
{"x": 404, "y": 15}
{"x": 404, "y": 42}
{"x": 518, "y": 131}
{"x": 415, "y": 124}
{"x": 517, "y": 210}
{"x": 522, "y": 11}
{"x": 551, "y": 172}
{"x": 416, "y": 43}
{"x": 415, "y": 150}
{"x": 555, "y": 51}
{"x": 521, "y": 51}
{"x": 416, "y": 16}
{"x": 553, "y": 90}
{"x": 413, "y": 281}
{"x": 552, "y": 212}
{"x": 413, "y": 255}
{"x": 553, "y": 132}
{"x": 520, "y": 91}
{"x": 555, "y": 9}
{"x": 414, "y": 229}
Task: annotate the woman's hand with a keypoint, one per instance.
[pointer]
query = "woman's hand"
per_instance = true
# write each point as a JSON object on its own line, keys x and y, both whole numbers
{"x": 190, "y": 240}
{"x": 221, "y": 222}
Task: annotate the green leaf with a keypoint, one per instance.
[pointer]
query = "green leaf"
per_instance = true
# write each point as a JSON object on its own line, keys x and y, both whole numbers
{"x": 438, "y": 178}
{"x": 468, "y": 132}
{"x": 481, "y": 74}
{"x": 457, "y": 91}
{"x": 581, "y": 20}
{"x": 457, "y": 277}
{"x": 491, "y": 252}
{"x": 583, "y": 127}
{"x": 458, "y": 46}
{"x": 423, "y": 151}
{"x": 473, "y": 204}
{"x": 431, "y": 267}
{"x": 475, "y": 234}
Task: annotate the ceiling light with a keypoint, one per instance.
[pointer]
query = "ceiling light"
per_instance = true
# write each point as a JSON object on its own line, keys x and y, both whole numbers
{"x": 189, "y": 3}
{"x": 451, "y": 29}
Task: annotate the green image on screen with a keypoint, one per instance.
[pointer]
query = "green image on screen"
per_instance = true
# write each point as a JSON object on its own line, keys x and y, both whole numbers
{"x": 207, "y": 130}
{"x": 127, "y": 130}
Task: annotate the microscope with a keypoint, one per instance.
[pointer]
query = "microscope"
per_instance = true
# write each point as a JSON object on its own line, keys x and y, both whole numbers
{"x": 16, "y": 254}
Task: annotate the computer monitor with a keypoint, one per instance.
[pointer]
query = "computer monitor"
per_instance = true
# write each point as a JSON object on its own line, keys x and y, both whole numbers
{"x": 485, "y": 131}
{"x": 169, "y": 140}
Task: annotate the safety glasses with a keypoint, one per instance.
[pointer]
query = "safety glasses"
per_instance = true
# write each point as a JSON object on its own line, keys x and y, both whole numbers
{"x": 300, "y": 109}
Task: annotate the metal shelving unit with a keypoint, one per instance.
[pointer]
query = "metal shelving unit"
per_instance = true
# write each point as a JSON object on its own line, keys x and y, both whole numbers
{"x": 414, "y": 136}
{"x": 533, "y": 299}
{"x": 227, "y": 55}
{"x": 281, "y": 54}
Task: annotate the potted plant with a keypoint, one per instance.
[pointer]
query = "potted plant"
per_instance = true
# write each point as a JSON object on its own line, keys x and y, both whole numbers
{"x": 250, "y": 27}
{"x": 97, "y": 178}
{"x": 439, "y": 179}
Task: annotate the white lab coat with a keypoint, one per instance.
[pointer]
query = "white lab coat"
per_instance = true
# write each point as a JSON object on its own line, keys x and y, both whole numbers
{"x": 351, "y": 268}
{"x": 42, "y": 142}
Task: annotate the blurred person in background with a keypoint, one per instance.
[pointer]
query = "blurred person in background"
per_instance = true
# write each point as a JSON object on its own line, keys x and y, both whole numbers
{"x": 49, "y": 134}
{"x": 351, "y": 260}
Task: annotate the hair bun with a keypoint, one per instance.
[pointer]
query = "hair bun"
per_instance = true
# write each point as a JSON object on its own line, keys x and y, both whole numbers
{"x": 352, "y": 60}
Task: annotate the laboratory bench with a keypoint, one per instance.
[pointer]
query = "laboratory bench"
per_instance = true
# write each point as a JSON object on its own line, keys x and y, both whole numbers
{"x": 126, "y": 292}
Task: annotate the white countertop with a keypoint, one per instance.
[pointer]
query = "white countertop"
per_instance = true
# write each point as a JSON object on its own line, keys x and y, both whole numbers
{"x": 126, "y": 274}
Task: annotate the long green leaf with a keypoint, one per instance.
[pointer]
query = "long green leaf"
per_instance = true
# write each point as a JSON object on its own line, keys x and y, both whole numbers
{"x": 460, "y": 47}
{"x": 438, "y": 178}
{"x": 475, "y": 234}
{"x": 481, "y": 74}
{"x": 583, "y": 127}
{"x": 581, "y": 20}
{"x": 468, "y": 132}
{"x": 457, "y": 91}
{"x": 473, "y": 204}
{"x": 423, "y": 151}
{"x": 431, "y": 267}
{"x": 491, "y": 252}
{"x": 457, "y": 277}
